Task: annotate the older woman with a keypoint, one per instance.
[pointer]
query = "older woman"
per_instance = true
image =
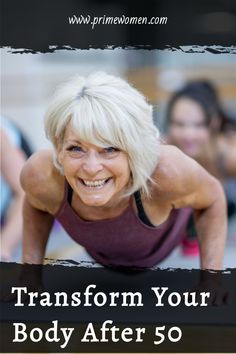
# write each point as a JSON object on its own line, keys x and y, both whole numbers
{"x": 115, "y": 189}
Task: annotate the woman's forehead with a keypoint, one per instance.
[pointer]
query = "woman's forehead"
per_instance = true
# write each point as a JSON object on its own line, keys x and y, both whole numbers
{"x": 187, "y": 108}
{"x": 71, "y": 135}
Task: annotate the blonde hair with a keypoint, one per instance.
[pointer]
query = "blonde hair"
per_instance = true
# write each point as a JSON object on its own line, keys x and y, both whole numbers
{"x": 105, "y": 110}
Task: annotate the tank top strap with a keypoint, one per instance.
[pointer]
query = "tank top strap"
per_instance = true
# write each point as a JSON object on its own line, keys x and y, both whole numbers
{"x": 67, "y": 197}
{"x": 141, "y": 212}
{"x": 68, "y": 193}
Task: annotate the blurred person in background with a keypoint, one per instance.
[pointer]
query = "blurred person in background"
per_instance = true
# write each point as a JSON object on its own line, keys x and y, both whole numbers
{"x": 14, "y": 151}
{"x": 197, "y": 124}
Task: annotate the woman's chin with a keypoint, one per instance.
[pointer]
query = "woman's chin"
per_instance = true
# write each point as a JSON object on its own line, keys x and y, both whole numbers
{"x": 94, "y": 200}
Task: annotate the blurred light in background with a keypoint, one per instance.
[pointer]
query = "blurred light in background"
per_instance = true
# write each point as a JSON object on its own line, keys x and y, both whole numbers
{"x": 29, "y": 80}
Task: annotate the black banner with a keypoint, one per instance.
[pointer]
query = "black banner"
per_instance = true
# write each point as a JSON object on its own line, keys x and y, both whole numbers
{"x": 43, "y": 26}
{"x": 116, "y": 310}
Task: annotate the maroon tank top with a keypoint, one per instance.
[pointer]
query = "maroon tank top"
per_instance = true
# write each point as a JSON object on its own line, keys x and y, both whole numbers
{"x": 124, "y": 240}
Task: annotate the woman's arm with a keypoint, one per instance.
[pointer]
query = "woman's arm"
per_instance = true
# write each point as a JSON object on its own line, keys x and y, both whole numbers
{"x": 206, "y": 196}
{"x": 211, "y": 223}
{"x": 37, "y": 225}
{"x": 40, "y": 183}
{"x": 190, "y": 185}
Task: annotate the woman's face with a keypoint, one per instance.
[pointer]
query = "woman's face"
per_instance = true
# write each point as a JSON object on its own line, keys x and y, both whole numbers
{"x": 97, "y": 175}
{"x": 187, "y": 128}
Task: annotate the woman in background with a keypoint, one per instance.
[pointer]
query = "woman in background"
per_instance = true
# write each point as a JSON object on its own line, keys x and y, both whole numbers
{"x": 198, "y": 126}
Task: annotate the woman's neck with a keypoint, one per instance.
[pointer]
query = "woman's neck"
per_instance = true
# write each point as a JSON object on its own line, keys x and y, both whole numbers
{"x": 108, "y": 211}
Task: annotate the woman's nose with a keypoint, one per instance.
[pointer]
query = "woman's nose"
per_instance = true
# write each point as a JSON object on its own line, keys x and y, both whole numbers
{"x": 92, "y": 164}
{"x": 189, "y": 131}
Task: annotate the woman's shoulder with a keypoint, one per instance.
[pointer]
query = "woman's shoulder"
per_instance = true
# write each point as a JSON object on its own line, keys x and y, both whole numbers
{"x": 173, "y": 169}
{"x": 170, "y": 161}
{"x": 41, "y": 180}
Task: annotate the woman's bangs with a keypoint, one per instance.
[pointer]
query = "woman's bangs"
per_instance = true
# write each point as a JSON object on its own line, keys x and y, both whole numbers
{"x": 90, "y": 129}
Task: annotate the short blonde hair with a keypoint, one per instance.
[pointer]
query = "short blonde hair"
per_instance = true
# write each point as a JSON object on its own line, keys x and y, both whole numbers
{"x": 105, "y": 110}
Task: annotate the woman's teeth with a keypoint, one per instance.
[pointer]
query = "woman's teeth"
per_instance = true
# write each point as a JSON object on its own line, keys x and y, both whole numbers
{"x": 97, "y": 183}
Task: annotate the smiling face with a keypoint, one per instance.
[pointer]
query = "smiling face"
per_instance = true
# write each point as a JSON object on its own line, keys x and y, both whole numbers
{"x": 188, "y": 129}
{"x": 97, "y": 175}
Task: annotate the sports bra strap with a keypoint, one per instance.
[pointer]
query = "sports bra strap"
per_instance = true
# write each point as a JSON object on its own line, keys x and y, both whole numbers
{"x": 69, "y": 193}
{"x": 141, "y": 212}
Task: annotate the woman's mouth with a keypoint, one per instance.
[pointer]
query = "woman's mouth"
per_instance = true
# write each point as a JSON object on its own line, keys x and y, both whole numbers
{"x": 99, "y": 183}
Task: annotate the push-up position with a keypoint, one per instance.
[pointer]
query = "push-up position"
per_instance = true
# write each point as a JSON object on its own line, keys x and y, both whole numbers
{"x": 112, "y": 185}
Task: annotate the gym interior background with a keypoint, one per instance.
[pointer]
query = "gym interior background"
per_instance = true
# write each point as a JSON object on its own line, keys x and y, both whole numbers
{"x": 28, "y": 81}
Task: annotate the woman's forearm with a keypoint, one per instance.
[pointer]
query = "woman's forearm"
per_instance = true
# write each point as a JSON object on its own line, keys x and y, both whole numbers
{"x": 37, "y": 225}
{"x": 211, "y": 224}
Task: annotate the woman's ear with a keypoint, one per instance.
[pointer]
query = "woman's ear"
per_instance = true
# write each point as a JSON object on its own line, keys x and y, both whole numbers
{"x": 59, "y": 157}
{"x": 59, "y": 153}
{"x": 58, "y": 160}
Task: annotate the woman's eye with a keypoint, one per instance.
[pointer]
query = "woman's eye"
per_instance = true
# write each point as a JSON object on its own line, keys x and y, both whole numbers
{"x": 75, "y": 149}
{"x": 110, "y": 149}
{"x": 178, "y": 124}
